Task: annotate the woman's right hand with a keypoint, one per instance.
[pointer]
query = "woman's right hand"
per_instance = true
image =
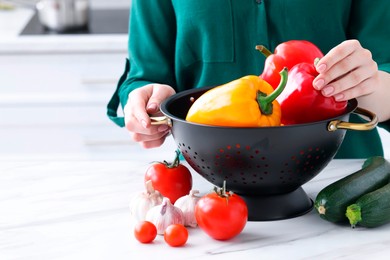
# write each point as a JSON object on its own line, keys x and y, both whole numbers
{"x": 141, "y": 103}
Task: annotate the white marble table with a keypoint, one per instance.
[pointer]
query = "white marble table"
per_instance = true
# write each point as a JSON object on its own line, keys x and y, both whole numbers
{"x": 78, "y": 209}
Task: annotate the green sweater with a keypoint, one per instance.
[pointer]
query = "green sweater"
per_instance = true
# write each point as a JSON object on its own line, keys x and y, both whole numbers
{"x": 190, "y": 44}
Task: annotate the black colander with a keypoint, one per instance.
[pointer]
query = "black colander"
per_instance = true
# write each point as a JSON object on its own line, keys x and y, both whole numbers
{"x": 265, "y": 165}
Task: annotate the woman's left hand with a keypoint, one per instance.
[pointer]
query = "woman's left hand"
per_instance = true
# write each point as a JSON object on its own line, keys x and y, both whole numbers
{"x": 348, "y": 71}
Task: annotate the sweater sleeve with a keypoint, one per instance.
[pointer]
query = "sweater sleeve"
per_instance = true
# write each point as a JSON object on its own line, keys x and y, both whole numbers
{"x": 151, "y": 46}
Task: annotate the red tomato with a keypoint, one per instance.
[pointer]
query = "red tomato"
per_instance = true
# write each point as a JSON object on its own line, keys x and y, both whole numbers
{"x": 171, "y": 180}
{"x": 221, "y": 216}
{"x": 176, "y": 235}
{"x": 145, "y": 232}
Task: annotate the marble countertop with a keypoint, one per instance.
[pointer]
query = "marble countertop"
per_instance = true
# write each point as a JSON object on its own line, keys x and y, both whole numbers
{"x": 78, "y": 209}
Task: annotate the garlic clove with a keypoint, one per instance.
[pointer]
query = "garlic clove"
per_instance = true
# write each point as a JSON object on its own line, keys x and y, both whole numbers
{"x": 141, "y": 203}
{"x": 187, "y": 205}
{"x": 164, "y": 215}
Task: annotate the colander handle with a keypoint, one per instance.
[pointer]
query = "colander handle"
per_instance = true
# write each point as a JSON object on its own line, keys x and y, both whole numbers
{"x": 161, "y": 120}
{"x": 338, "y": 124}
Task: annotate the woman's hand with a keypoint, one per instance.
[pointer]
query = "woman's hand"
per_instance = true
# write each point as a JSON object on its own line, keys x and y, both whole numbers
{"x": 141, "y": 103}
{"x": 348, "y": 71}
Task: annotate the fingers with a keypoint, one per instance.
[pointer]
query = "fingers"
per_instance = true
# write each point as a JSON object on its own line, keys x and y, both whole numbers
{"x": 142, "y": 103}
{"x": 158, "y": 95}
{"x": 135, "y": 111}
{"x": 150, "y": 141}
{"x": 136, "y": 127}
{"x": 347, "y": 71}
{"x": 337, "y": 54}
{"x": 149, "y": 137}
{"x": 350, "y": 85}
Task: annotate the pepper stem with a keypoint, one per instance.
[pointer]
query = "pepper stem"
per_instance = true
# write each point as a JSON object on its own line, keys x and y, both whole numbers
{"x": 263, "y": 50}
{"x": 316, "y": 60}
{"x": 265, "y": 101}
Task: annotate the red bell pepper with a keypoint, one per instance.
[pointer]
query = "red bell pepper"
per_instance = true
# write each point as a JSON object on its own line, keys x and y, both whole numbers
{"x": 300, "y": 102}
{"x": 287, "y": 54}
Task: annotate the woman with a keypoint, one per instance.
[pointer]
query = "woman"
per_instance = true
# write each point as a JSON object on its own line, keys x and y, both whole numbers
{"x": 176, "y": 45}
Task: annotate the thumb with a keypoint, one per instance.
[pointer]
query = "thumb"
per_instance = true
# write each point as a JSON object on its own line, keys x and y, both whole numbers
{"x": 159, "y": 93}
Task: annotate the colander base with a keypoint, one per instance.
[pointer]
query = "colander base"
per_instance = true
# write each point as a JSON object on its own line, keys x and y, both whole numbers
{"x": 279, "y": 206}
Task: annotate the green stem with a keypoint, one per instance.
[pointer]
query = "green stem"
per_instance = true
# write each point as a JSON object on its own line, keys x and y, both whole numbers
{"x": 354, "y": 214}
{"x": 175, "y": 162}
{"x": 263, "y": 50}
{"x": 316, "y": 60}
{"x": 221, "y": 192}
{"x": 265, "y": 101}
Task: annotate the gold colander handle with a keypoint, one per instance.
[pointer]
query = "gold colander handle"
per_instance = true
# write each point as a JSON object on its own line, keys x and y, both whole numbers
{"x": 338, "y": 124}
{"x": 161, "y": 120}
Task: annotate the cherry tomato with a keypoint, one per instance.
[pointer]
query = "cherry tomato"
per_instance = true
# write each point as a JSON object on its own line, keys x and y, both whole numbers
{"x": 221, "y": 215}
{"x": 176, "y": 235}
{"x": 145, "y": 232}
{"x": 171, "y": 180}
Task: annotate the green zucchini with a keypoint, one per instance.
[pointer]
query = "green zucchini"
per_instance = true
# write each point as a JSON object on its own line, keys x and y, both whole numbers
{"x": 372, "y": 209}
{"x": 332, "y": 201}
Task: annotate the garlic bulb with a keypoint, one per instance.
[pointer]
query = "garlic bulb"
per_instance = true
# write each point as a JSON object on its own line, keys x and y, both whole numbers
{"x": 187, "y": 205}
{"x": 164, "y": 215}
{"x": 142, "y": 202}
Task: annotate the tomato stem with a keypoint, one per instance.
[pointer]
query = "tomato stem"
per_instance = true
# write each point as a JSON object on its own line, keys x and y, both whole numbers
{"x": 222, "y": 191}
{"x": 175, "y": 162}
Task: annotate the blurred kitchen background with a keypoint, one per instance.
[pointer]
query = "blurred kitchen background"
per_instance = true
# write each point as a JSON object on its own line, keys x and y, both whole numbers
{"x": 54, "y": 87}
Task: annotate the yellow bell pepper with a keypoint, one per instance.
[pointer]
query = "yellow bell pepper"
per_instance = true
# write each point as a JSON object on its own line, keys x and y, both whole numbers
{"x": 246, "y": 102}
